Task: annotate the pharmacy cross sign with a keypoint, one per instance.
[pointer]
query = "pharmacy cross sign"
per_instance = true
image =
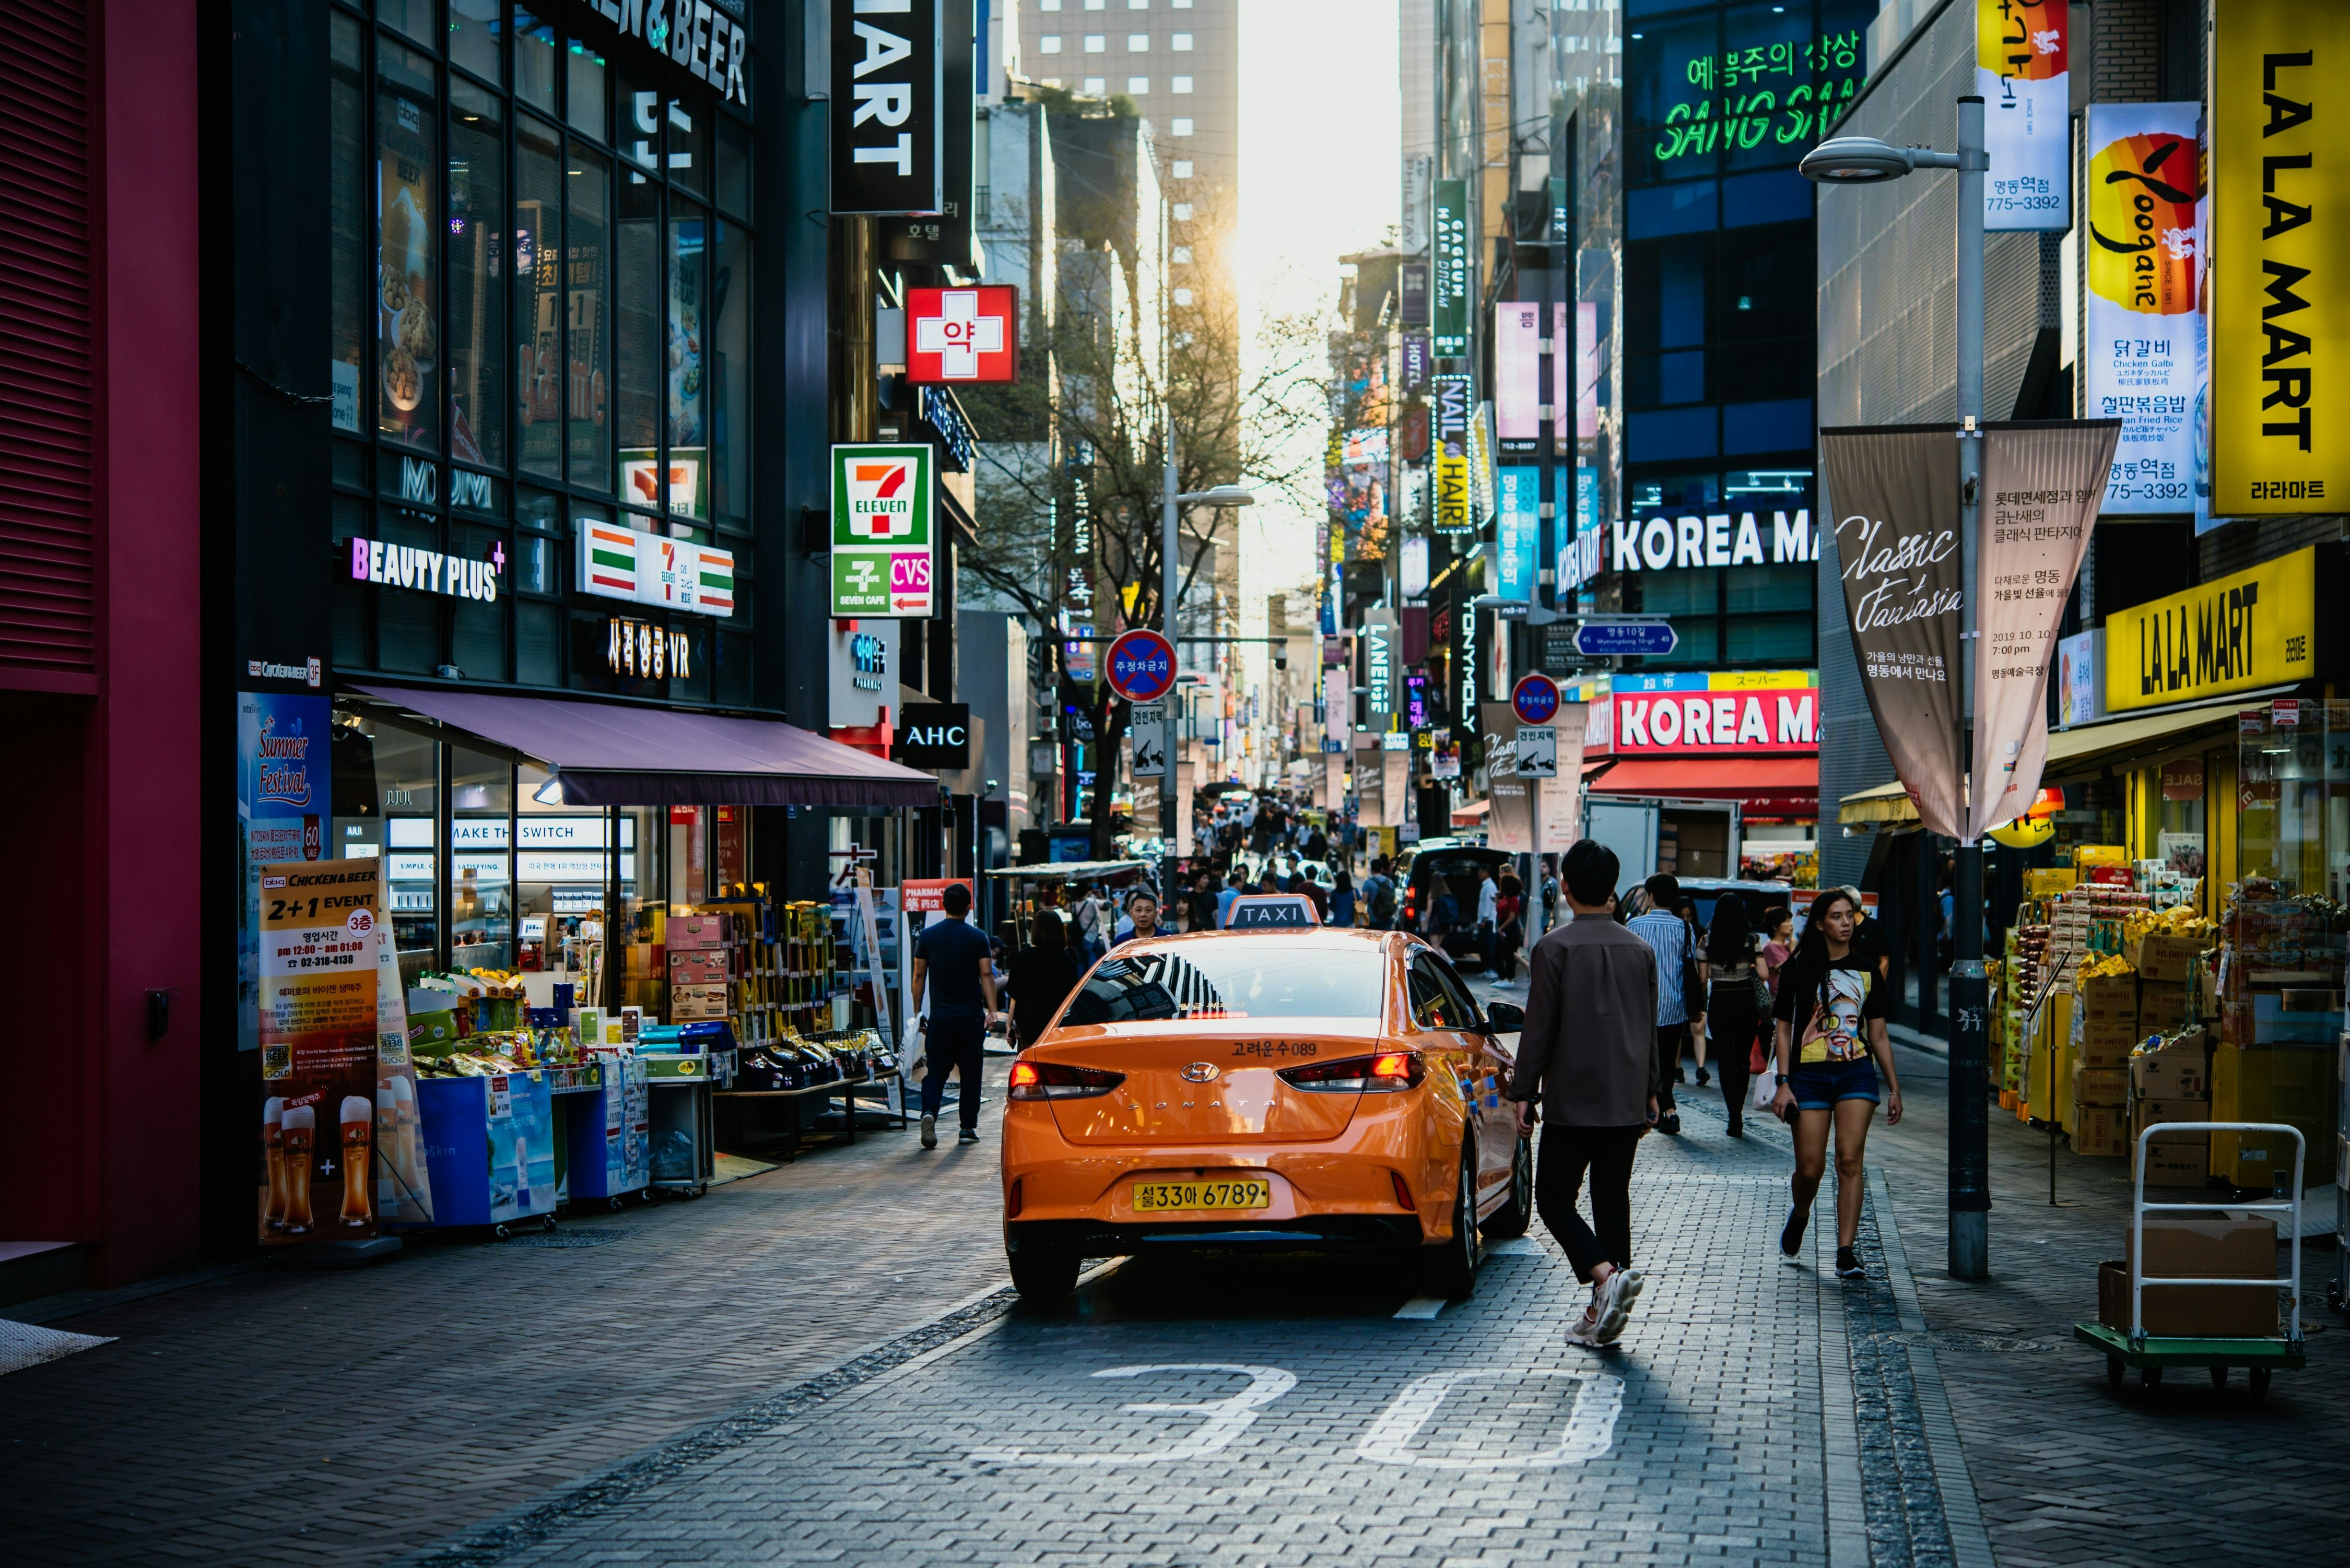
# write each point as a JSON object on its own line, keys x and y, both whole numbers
{"x": 962, "y": 335}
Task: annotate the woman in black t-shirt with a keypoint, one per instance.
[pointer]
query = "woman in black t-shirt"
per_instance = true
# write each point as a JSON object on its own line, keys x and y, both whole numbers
{"x": 1830, "y": 1024}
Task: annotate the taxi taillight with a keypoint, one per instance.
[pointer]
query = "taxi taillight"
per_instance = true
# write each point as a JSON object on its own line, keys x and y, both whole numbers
{"x": 1385, "y": 1072}
{"x": 1060, "y": 1081}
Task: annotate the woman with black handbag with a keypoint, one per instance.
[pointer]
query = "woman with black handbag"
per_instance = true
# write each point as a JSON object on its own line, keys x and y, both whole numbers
{"x": 1735, "y": 1001}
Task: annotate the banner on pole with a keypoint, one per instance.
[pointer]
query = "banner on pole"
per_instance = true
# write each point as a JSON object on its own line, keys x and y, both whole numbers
{"x": 1894, "y": 494}
{"x": 2041, "y": 486}
{"x": 2021, "y": 71}
{"x": 2142, "y": 346}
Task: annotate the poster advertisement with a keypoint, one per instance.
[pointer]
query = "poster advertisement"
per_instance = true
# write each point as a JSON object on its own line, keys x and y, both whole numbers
{"x": 2040, "y": 485}
{"x": 1894, "y": 493}
{"x": 407, "y": 168}
{"x": 319, "y": 921}
{"x": 2142, "y": 343}
{"x": 403, "y": 1186}
{"x": 2020, "y": 70}
{"x": 2280, "y": 185}
{"x": 283, "y": 787}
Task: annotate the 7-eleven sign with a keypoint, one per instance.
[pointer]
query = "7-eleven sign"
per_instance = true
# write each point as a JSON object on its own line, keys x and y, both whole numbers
{"x": 881, "y": 523}
{"x": 962, "y": 335}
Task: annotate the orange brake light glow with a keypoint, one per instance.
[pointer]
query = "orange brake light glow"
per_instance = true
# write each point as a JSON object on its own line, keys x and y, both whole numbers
{"x": 1392, "y": 1065}
{"x": 1023, "y": 1074}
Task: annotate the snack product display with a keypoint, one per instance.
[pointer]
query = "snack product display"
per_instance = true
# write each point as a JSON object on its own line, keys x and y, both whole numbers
{"x": 403, "y": 380}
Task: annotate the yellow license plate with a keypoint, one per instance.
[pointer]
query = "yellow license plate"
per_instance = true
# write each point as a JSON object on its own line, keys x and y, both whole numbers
{"x": 1162, "y": 1197}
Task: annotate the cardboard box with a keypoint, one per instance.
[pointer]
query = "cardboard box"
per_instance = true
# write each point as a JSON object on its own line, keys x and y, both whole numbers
{"x": 2161, "y": 1005}
{"x": 700, "y": 967}
{"x": 2047, "y": 881}
{"x": 2105, "y": 1045}
{"x": 2100, "y": 1131}
{"x": 695, "y": 1004}
{"x": 2101, "y": 1085}
{"x": 2186, "y": 1311}
{"x": 697, "y": 932}
{"x": 2109, "y": 998}
{"x": 2161, "y": 956}
{"x": 2255, "y": 1160}
{"x": 2173, "y": 1164}
{"x": 2178, "y": 1070}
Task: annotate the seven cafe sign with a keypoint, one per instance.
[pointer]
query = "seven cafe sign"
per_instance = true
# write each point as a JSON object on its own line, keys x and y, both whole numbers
{"x": 962, "y": 334}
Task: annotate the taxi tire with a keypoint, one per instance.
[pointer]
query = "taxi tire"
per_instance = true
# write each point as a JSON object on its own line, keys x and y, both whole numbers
{"x": 1044, "y": 1276}
{"x": 1517, "y": 1211}
{"x": 1449, "y": 1269}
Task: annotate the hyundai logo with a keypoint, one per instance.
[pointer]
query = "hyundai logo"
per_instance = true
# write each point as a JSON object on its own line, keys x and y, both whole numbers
{"x": 1199, "y": 1071}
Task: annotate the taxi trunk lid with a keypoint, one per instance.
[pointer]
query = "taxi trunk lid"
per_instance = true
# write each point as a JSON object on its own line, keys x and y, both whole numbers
{"x": 1186, "y": 1083}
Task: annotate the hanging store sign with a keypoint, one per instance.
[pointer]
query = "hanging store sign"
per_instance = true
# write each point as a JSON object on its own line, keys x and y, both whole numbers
{"x": 2255, "y": 628}
{"x": 616, "y": 563}
{"x": 944, "y": 237}
{"x": 1706, "y": 725}
{"x": 428, "y": 571}
{"x": 1449, "y": 255}
{"x": 2020, "y": 69}
{"x": 1689, "y": 543}
{"x": 881, "y": 531}
{"x": 888, "y": 79}
{"x": 694, "y": 36}
{"x": 2280, "y": 221}
{"x": 1517, "y": 376}
{"x": 641, "y": 649}
{"x": 935, "y": 735}
{"x": 962, "y": 335}
{"x": 2143, "y": 338}
{"x": 1518, "y": 534}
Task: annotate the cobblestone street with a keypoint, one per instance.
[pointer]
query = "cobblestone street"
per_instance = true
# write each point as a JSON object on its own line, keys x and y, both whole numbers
{"x": 822, "y": 1363}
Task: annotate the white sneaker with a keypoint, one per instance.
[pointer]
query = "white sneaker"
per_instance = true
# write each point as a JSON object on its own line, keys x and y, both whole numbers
{"x": 1607, "y": 1304}
{"x": 929, "y": 1132}
{"x": 1634, "y": 1281}
{"x": 1584, "y": 1331}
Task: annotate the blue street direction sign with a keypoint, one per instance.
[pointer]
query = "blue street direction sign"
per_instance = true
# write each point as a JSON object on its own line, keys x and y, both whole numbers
{"x": 1603, "y": 639}
{"x": 1141, "y": 666}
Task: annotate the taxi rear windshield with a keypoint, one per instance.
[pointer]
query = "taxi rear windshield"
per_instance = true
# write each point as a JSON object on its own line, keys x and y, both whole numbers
{"x": 1251, "y": 977}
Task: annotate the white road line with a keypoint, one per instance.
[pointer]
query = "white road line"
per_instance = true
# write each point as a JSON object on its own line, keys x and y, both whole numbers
{"x": 1590, "y": 1426}
{"x": 1421, "y": 1306}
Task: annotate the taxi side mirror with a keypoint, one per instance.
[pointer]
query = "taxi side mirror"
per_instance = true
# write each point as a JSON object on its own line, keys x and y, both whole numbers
{"x": 1504, "y": 1018}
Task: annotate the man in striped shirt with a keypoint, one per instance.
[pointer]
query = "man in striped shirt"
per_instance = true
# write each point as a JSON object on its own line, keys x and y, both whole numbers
{"x": 1669, "y": 936}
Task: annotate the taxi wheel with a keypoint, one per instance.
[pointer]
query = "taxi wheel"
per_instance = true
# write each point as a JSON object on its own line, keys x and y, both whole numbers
{"x": 1449, "y": 1268}
{"x": 1043, "y": 1278}
{"x": 1517, "y": 1211}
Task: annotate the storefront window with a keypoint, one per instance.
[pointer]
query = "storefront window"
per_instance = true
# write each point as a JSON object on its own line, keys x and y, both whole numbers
{"x": 481, "y": 883}
{"x": 539, "y": 264}
{"x": 584, "y": 89}
{"x": 689, "y": 149}
{"x": 642, "y": 888}
{"x": 637, "y": 353}
{"x": 535, "y": 57}
{"x": 477, "y": 633}
{"x": 2179, "y": 840}
{"x": 473, "y": 37}
{"x": 2292, "y": 768}
{"x": 733, "y": 167}
{"x": 689, "y": 418}
{"x": 560, "y": 873}
{"x": 406, "y": 348}
{"x": 727, "y": 351}
{"x": 587, "y": 255}
{"x": 386, "y": 803}
{"x": 347, "y": 217}
{"x": 408, "y": 625}
{"x": 478, "y": 327}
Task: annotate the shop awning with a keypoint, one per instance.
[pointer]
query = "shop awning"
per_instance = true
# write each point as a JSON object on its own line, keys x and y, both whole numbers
{"x": 1886, "y": 804}
{"x": 1786, "y": 786}
{"x": 1071, "y": 870}
{"x": 1472, "y": 811}
{"x": 2088, "y": 747}
{"x": 612, "y": 753}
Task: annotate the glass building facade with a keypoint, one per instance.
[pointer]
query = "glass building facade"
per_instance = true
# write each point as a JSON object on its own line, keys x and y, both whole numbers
{"x": 540, "y": 298}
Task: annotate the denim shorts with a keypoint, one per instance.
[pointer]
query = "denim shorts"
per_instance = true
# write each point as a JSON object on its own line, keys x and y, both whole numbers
{"x": 1820, "y": 1085}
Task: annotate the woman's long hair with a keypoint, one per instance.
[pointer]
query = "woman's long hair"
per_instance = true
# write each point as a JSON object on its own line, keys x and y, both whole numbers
{"x": 1811, "y": 956}
{"x": 1726, "y": 940}
{"x": 1046, "y": 933}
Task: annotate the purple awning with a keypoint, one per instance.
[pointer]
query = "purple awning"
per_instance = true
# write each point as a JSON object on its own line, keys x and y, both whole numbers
{"x": 610, "y": 754}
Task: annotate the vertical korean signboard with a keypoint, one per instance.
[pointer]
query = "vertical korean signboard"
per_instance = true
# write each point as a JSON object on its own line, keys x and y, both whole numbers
{"x": 1518, "y": 530}
{"x": 319, "y": 1049}
{"x": 1449, "y": 280}
{"x": 881, "y": 521}
{"x": 2280, "y": 219}
{"x": 888, "y": 149}
{"x": 2143, "y": 342}
{"x": 2021, "y": 72}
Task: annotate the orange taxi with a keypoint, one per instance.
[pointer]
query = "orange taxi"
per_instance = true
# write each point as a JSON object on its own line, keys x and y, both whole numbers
{"x": 1313, "y": 1089}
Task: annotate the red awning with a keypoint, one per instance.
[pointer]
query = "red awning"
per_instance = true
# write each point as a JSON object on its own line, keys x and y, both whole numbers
{"x": 1781, "y": 785}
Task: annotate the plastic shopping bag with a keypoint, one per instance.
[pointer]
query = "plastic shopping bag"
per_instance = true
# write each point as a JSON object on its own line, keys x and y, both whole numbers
{"x": 1766, "y": 1089}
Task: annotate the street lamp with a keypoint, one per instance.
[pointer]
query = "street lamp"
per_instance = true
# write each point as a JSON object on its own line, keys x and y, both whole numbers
{"x": 1862, "y": 161}
{"x": 1170, "y": 581}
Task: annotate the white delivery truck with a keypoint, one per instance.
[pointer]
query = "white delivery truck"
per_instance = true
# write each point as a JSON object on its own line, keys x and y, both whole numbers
{"x": 1686, "y": 838}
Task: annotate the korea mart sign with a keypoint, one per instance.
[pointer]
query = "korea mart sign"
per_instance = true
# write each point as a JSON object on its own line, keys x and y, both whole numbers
{"x": 2252, "y": 629}
{"x": 881, "y": 531}
{"x": 2280, "y": 235}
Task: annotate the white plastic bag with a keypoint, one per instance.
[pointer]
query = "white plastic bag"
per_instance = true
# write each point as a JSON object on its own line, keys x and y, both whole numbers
{"x": 1766, "y": 1089}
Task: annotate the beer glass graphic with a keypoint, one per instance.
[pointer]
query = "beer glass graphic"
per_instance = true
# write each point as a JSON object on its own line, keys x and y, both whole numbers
{"x": 404, "y": 1150}
{"x": 358, "y": 1141}
{"x": 272, "y": 1137}
{"x": 301, "y": 1125}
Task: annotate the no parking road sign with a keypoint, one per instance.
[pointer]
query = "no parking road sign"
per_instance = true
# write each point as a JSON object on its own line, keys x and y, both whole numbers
{"x": 1142, "y": 666}
{"x": 1535, "y": 699}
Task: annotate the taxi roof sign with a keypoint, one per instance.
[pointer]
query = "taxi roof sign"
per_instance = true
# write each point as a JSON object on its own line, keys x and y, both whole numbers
{"x": 1271, "y": 912}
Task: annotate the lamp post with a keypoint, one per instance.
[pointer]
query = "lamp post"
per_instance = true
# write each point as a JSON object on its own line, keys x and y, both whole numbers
{"x": 1860, "y": 161}
{"x": 1170, "y": 583}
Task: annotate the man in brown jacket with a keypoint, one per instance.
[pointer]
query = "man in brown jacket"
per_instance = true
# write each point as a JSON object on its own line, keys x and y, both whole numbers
{"x": 1588, "y": 1054}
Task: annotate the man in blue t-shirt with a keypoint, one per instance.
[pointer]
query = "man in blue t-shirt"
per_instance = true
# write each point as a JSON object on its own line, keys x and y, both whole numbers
{"x": 951, "y": 961}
